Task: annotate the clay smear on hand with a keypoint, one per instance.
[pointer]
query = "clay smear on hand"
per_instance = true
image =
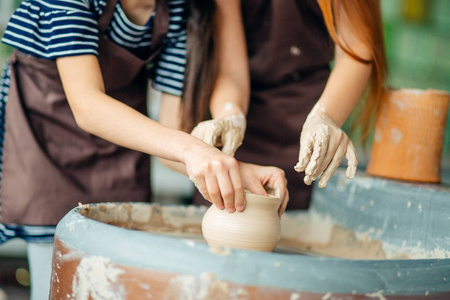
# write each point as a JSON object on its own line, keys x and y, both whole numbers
{"x": 322, "y": 147}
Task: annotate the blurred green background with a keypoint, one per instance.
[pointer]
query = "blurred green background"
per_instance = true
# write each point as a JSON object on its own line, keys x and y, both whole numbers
{"x": 417, "y": 34}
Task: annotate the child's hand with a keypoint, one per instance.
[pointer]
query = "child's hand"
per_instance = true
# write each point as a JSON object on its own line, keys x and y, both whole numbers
{"x": 322, "y": 146}
{"x": 216, "y": 176}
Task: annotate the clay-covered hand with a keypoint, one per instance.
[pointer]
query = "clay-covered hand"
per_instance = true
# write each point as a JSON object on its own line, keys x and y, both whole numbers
{"x": 262, "y": 180}
{"x": 216, "y": 176}
{"x": 322, "y": 146}
{"x": 227, "y": 132}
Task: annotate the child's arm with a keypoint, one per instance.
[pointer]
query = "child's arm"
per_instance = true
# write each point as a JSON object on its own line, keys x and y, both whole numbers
{"x": 215, "y": 174}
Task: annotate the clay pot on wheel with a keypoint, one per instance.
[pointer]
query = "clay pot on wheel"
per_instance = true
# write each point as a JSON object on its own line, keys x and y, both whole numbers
{"x": 255, "y": 228}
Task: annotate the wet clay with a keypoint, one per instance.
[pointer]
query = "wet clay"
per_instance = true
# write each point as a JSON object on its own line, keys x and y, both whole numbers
{"x": 147, "y": 218}
{"x": 318, "y": 145}
{"x": 343, "y": 243}
{"x": 227, "y": 133}
{"x": 314, "y": 234}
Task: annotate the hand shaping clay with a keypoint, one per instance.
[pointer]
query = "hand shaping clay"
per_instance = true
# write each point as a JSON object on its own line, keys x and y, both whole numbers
{"x": 255, "y": 228}
{"x": 227, "y": 133}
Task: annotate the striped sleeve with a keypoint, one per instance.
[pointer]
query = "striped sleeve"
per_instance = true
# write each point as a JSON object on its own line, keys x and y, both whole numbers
{"x": 170, "y": 66}
{"x": 34, "y": 234}
{"x": 4, "y": 90}
{"x": 51, "y": 29}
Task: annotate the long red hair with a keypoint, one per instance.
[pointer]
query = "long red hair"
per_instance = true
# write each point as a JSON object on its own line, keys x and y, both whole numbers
{"x": 363, "y": 17}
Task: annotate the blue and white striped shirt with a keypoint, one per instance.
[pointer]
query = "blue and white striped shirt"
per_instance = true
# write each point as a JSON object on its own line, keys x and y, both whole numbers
{"x": 56, "y": 28}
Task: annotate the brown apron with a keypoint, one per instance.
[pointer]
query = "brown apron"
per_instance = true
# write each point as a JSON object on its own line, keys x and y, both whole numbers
{"x": 289, "y": 52}
{"x": 50, "y": 164}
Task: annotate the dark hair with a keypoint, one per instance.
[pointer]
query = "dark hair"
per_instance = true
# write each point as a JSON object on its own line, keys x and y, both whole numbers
{"x": 201, "y": 63}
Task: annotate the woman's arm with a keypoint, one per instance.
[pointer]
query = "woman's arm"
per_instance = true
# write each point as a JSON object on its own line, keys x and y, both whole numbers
{"x": 322, "y": 143}
{"x": 347, "y": 80}
{"x": 230, "y": 96}
{"x": 215, "y": 174}
{"x": 231, "y": 91}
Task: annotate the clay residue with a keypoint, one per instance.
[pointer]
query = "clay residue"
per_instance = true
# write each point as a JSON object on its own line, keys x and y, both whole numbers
{"x": 227, "y": 133}
{"x": 96, "y": 278}
{"x": 206, "y": 287}
{"x": 396, "y": 135}
{"x": 378, "y": 295}
{"x": 378, "y": 135}
{"x": 315, "y": 234}
{"x": 342, "y": 243}
{"x": 147, "y": 218}
{"x": 220, "y": 250}
{"x": 414, "y": 252}
{"x": 309, "y": 233}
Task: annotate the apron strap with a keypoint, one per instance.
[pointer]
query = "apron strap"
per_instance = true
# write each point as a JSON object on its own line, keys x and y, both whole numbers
{"x": 160, "y": 25}
{"x": 106, "y": 17}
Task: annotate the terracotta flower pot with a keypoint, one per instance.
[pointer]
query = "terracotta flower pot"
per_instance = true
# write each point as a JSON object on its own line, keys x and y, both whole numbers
{"x": 409, "y": 135}
{"x": 256, "y": 228}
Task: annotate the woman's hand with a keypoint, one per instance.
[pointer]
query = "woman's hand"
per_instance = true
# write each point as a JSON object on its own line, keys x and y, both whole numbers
{"x": 227, "y": 132}
{"x": 262, "y": 180}
{"x": 216, "y": 176}
{"x": 322, "y": 146}
{"x": 230, "y": 96}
